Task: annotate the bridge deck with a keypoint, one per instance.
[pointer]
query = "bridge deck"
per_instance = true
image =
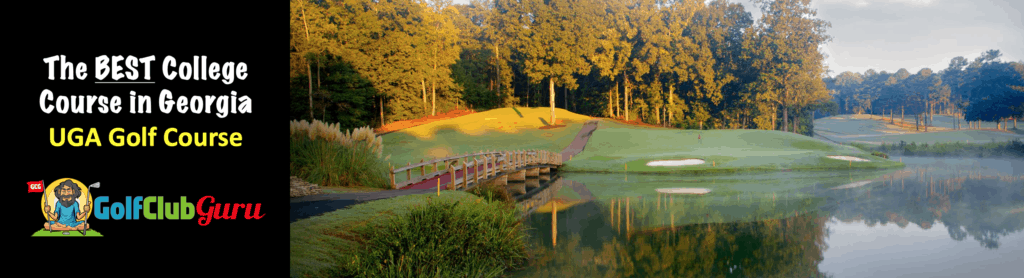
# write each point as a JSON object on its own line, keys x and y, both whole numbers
{"x": 459, "y": 175}
{"x": 430, "y": 180}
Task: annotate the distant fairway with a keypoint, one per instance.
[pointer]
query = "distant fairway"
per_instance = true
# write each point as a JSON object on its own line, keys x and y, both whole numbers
{"x": 849, "y": 129}
{"x": 844, "y": 125}
{"x": 724, "y": 151}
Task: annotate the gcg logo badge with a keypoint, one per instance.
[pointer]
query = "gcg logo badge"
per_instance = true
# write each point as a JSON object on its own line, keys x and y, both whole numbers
{"x": 66, "y": 205}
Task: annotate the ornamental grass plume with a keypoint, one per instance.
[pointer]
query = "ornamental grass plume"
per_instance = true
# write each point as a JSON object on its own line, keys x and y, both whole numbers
{"x": 362, "y": 137}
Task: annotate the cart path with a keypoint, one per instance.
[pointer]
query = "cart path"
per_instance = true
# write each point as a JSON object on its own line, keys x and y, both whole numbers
{"x": 308, "y": 206}
{"x": 581, "y": 140}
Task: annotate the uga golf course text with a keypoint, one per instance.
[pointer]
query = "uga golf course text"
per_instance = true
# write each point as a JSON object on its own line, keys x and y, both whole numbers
{"x": 146, "y": 137}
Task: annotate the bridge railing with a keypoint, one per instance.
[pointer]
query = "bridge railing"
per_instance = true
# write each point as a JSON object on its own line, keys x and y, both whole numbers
{"x": 493, "y": 161}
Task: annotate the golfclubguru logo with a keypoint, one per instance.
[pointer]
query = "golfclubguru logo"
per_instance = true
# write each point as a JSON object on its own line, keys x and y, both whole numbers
{"x": 67, "y": 204}
{"x": 155, "y": 208}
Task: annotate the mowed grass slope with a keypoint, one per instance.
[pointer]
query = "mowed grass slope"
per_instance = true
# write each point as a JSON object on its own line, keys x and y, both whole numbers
{"x": 498, "y": 129}
{"x": 724, "y": 151}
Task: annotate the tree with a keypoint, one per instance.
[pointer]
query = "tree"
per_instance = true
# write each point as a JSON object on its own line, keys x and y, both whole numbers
{"x": 613, "y": 47}
{"x": 997, "y": 107}
{"x": 555, "y": 45}
{"x": 311, "y": 33}
{"x": 786, "y": 54}
{"x": 442, "y": 41}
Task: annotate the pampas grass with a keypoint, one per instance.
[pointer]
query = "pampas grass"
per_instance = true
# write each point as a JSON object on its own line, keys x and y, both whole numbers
{"x": 323, "y": 154}
{"x": 360, "y": 137}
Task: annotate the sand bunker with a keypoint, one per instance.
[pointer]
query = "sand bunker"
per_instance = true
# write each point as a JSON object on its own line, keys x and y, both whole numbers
{"x": 677, "y": 162}
{"x": 683, "y": 190}
{"x": 849, "y": 158}
{"x": 852, "y": 185}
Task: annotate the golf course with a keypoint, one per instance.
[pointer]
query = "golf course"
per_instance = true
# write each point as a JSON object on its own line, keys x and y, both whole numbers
{"x": 652, "y": 139}
{"x": 618, "y": 147}
{"x": 619, "y": 160}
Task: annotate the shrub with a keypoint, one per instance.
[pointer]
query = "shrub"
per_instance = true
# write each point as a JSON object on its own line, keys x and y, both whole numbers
{"x": 1013, "y": 148}
{"x": 880, "y": 154}
{"x": 445, "y": 240}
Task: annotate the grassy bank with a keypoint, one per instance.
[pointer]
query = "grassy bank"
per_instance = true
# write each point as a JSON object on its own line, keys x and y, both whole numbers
{"x": 498, "y": 129}
{"x": 455, "y": 234}
{"x": 322, "y": 154}
{"x": 1013, "y": 148}
{"x": 723, "y": 151}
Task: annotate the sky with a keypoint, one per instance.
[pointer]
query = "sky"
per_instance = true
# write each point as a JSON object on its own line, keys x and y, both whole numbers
{"x": 887, "y": 35}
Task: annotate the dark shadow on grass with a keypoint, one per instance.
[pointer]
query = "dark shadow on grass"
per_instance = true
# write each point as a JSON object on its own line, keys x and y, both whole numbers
{"x": 517, "y": 112}
{"x": 543, "y": 121}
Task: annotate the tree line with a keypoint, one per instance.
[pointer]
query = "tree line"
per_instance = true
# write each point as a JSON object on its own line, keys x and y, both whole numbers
{"x": 983, "y": 89}
{"x": 680, "y": 63}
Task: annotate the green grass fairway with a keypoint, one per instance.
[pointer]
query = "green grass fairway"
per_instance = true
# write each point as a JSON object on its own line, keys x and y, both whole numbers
{"x": 843, "y": 125}
{"x": 326, "y": 246}
{"x": 498, "y": 129}
{"x": 47, "y": 233}
{"x": 846, "y": 129}
{"x": 610, "y": 149}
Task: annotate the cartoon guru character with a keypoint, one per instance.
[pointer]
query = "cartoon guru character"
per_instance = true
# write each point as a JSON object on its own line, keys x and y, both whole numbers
{"x": 66, "y": 216}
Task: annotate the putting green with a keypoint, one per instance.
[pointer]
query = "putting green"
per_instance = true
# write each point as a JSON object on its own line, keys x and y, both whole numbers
{"x": 47, "y": 233}
{"x": 628, "y": 149}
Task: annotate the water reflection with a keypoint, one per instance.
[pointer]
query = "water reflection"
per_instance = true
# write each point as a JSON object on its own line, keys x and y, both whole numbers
{"x": 761, "y": 225}
{"x": 967, "y": 202}
{"x": 789, "y": 247}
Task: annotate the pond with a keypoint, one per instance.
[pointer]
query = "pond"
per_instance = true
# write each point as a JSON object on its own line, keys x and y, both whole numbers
{"x": 936, "y": 217}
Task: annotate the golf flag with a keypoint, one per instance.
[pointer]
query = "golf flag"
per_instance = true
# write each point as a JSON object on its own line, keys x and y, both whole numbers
{"x": 35, "y": 186}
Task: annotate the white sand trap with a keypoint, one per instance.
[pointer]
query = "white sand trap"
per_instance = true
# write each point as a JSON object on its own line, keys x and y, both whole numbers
{"x": 852, "y": 185}
{"x": 678, "y": 162}
{"x": 850, "y": 158}
{"x": 683, "y": 190}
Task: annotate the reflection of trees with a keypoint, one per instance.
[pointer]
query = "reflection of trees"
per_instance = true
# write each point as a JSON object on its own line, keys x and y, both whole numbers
{"x": 789, "y": 247}
{"x": 967, "y": 204}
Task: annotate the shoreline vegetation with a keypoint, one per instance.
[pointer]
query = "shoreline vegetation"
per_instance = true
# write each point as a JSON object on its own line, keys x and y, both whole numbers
{"x": 1013, "y": 148}
{"x": 455, "y": 234}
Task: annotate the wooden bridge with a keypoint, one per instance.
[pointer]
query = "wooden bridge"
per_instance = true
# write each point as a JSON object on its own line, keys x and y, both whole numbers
{"x": 465, "y": 171}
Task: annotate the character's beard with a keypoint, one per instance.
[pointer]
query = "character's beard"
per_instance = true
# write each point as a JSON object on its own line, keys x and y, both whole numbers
{"x": 66, "y": 203}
